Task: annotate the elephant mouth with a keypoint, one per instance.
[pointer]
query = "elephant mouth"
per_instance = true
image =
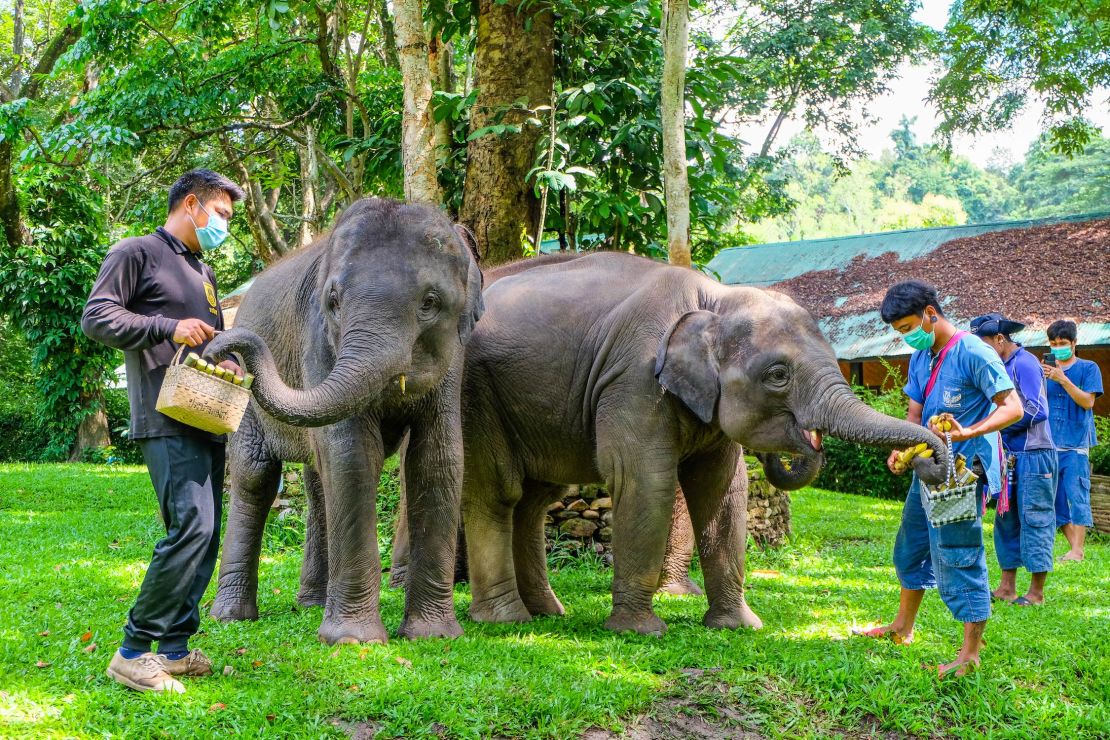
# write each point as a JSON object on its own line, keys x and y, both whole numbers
{"x": 813, "y": 438}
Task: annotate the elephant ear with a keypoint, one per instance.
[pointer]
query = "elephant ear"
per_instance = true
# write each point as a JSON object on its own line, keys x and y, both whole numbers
{"x": 686, "y": 364}
{"x": 475, "y": 306}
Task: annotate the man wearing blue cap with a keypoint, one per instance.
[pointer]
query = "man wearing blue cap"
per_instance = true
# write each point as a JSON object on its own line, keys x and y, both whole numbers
{"x": 1025, "y": 535}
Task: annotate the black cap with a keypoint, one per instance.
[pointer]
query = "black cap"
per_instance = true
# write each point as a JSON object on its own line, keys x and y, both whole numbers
{"x": 991, "y": 324}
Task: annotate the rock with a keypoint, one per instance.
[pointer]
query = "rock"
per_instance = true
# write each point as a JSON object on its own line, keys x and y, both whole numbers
{"x": 606, "y": 516}
{"x": 599, "y": 548}
{"x": 557, "y": 506}
{"x": 567, "y": 515}
{"x": 590, "y": 514}
{"x": 548, "y": 520}
{"x": 578, "y": 506}
{"x": 606, "y": 534}
{"x": 578, "y": 528}
{"x": 602, "y": 504}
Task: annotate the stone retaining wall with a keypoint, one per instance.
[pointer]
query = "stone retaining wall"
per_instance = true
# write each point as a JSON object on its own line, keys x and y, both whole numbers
{"x": 1100, "y": 502}
{"x": 583, "y": 519}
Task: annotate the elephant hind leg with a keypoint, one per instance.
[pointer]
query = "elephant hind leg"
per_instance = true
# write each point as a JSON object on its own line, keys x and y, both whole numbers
{"x": 254, "y": 484}
{"x": 314, "y": 568}
{"x": 529, "y": 547}
{"x": 488, "y": 517}
{"x": 675, "y": 578}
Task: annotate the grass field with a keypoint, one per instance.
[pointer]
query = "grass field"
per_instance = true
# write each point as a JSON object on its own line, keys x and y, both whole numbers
{"x": 74, "y": 541}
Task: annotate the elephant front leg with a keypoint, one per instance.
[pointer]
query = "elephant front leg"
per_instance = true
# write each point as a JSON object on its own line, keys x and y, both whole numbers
{"x": 314, "y": 568}
{"x": 643, "y": 502}
{"x": 254, "y": 483}
{"x": 716, "y": 488}
{"x": 350, "y": 462}
{"x": 433, "y": 472}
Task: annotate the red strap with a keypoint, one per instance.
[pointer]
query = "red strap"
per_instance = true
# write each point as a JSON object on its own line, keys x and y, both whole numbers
{"x": 940, "y": 361}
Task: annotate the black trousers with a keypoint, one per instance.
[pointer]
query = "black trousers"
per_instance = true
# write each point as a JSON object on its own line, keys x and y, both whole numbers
{"x": 188, "y": 476}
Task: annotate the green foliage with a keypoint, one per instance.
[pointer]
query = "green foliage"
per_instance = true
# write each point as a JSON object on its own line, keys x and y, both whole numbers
{"x": 45, "y": 284}
{"x": 854, "y": 468}
{"x": 1100, "y": 454}
{"x": 65, "y": 572}
{"x": 998, "y": 55}
{"x": 1052, "y": 184}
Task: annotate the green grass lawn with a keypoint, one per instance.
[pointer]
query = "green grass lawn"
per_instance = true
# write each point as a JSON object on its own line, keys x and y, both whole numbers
{"x": 74, "y": 542}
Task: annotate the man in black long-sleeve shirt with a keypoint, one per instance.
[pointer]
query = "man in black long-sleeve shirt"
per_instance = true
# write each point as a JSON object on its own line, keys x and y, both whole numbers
{"x": 153, "y": 293}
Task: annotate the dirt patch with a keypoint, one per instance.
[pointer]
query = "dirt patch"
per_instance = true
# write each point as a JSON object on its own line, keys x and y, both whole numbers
{"x": 1033, "y": 275}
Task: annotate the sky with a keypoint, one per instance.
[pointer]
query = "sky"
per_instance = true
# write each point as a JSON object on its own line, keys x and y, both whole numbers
{"x": 907, "y": 98}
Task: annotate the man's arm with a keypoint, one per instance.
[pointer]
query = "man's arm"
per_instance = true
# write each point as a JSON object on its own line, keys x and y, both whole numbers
{"x": 1008, "y": 410}
{"x": 107, "y": 319}
{"x": 1084, "y": 399}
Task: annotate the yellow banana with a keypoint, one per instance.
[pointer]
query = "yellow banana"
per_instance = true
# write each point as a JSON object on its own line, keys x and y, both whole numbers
{"x": 926, "y": 454}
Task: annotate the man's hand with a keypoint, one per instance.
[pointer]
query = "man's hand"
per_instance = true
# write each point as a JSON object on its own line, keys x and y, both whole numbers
{"x": 192, "y": 332}
{"x": 1053, "y": 372}
{"x": 229, "y": 365}
{"x": 890, "y": 462}
{"x": 957, "y": 432}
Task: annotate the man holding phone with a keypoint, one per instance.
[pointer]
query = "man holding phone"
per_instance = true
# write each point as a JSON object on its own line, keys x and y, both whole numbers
{"x": 1073, "y": 386}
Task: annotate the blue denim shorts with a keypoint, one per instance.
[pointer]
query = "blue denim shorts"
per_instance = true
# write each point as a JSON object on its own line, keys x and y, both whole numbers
{"x": 1024, "y": 535}
{"x": 949, "y": 558}
{"x": 1073, "y": 490}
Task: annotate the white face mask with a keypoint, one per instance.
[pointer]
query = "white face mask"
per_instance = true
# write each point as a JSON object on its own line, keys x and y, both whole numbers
{"x": 213, "y": 235}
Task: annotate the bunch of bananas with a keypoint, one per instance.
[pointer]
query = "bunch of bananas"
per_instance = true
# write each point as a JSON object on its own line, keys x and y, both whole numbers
{"x": 194, "y": 361}
{"x": 944, "y": 425}
{"x": 902, "y": 464}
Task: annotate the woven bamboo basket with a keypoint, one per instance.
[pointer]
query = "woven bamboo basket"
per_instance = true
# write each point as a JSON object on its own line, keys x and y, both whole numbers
{"x": 200, "y": 400}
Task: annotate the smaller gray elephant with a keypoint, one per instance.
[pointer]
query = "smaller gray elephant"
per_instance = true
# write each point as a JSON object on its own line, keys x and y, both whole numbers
{"x": 356, "y": 341}
{"x": 613, "y": 368}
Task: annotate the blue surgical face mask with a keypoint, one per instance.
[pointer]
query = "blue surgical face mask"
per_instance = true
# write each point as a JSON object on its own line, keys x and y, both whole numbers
{"x": 213, "y": 235}
{"x": 1062, "y": 353}
{"x": 919, "y": 338}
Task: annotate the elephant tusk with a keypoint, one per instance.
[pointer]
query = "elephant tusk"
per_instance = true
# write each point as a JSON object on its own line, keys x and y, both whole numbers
{"x": 401, "y": 380}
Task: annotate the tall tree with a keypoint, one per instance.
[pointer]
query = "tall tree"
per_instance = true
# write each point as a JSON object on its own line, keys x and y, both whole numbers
{"x": 418, "y": 149}
{"x": 676, "y": 186}
{"x": 997, "y": 54}
{"x": 513, "y": 70}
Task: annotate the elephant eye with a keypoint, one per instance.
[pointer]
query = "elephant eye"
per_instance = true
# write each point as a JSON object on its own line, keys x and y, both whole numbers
{"x": 776, "y": 376}
{"x": 429, "y": 307}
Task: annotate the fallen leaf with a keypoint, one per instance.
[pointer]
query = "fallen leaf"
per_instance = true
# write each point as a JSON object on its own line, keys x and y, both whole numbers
{"x": 443, "y": 661}
{"x": 114, "y": 544}
{"x": 277, "y": 590}
{"x": 87, "y": 636}
{"x": 44, "y": 633}
{"x": 57, "y": 567}
{"x": 404, "y": 661}
{"x": 42, "y": 664}
{"x": 229, "y": 670}
{"x": 271, "y": 717}
{"x": 241, "y": 651}
{"x": 217, "y": 707}
{"x": 256, "y": 664}
{"x": 353, "y": 687}
{"x": 363, "y": 653}
{"x": 335, "y": 654}
{"x": 91, "y": 648}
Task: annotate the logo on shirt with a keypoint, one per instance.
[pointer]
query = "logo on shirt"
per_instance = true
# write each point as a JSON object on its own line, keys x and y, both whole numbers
{"x": 210, "y": 293}
{"x": 953, "y": 398}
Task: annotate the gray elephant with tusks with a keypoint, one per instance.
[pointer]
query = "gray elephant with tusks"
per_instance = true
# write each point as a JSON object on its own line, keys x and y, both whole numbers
{"x": 355, "y": 340}
{"x": 613, "y": 368}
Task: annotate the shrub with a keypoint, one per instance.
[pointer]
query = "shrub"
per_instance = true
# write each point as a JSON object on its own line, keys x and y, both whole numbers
{"x": 854, "y": 468}
{"x": 1100, "y": 455}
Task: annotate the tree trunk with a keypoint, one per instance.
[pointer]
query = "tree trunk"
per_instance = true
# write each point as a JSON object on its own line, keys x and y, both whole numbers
{"x": 92, "y": 433}
{"x": 389, "y": 43}
{"x": 676, "y": 186}
{"x": 418, "y": 152}
{"x": 440, "y": 61}
{"x": 510, "y": 64}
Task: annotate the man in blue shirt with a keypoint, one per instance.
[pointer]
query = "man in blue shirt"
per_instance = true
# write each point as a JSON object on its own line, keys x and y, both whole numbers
{"x": 1025, "y": 535}
{"x": 1073, "y": 386}
{"x": 970, "y": 388}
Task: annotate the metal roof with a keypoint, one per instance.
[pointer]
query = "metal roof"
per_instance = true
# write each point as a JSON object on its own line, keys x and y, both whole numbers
{"x": 864, "y": 335}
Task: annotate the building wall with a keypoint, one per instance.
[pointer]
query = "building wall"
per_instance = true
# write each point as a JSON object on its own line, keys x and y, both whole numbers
{"x": 875, "y": 374}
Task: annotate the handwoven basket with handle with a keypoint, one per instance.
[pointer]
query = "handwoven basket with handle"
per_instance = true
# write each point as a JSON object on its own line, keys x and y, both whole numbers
{"x": 200, "y": 400}
{"x": 954, "y": 500}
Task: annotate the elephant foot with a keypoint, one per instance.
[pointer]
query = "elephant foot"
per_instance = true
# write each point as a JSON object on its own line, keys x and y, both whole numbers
{"x": 681, "y": 587}
{"x": 641, "y": 622}
{"x": 397, "y": 575}
{"x": 547, "y": 604}
{"x": 733, "y": 618}
{"x": 232, "y": 607}
{"x": 418, "y": 628}
{"x": 311, "y": 597}
{"x": 500, "y": 611}
{"x": 338, "y": 631}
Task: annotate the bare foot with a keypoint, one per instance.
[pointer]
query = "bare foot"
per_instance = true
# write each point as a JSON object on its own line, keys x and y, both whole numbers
{"x": 958, "y": 668}
{"x": 1000, "y": 595}
{"x": 888, "y": 632}
{"x": 1071, "y": 557}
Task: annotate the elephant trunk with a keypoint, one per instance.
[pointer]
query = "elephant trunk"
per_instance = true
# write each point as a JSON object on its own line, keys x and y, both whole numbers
{"x": 348, "y": 388}
{"x": 836, "y": 410}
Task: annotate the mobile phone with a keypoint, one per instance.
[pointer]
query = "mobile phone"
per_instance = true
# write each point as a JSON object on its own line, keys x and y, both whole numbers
{"x": 1049, "y": 359}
